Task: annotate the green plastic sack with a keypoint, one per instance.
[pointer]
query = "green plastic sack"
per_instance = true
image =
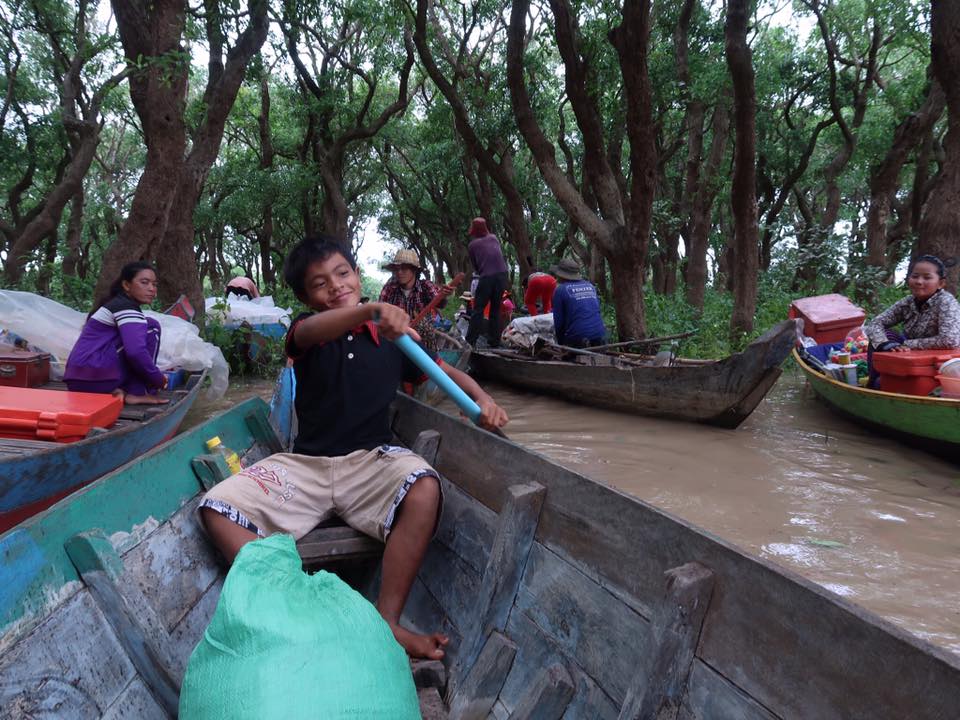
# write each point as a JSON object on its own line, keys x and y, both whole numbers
{"x": 283, "y": 644}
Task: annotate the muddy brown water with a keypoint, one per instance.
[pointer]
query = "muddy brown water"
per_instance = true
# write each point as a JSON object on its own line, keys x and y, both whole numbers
{"x": 871, "y": 519}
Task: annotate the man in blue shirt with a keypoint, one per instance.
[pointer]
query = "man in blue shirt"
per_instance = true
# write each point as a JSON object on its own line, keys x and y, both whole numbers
{"x": 576, "y": 308}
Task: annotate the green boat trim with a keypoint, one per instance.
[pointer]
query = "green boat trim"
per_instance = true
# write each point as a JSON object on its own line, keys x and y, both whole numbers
{"x": 125, "y": 505}
{"x": 930, "y": 422}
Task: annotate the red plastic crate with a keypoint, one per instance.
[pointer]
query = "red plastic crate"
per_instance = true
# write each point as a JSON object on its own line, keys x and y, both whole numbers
{"x": 912, "y": 372}
{"x": 63, "y": 416}
{"x": 827, "y": 318}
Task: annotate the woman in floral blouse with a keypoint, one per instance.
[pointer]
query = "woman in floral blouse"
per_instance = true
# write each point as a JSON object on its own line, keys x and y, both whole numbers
{"x": 930, "y": 316}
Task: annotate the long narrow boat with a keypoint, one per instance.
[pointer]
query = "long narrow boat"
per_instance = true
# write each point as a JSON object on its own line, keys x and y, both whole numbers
{"x": 717, "y": 392}
{"x": 562, "y": 598}
{"x": 932, "y": 423}
{"x": 34, "y": 474}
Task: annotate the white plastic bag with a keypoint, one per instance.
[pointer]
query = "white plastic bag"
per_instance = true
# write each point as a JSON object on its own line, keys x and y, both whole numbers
{"x": 181, "y": 346}
{"x": 259, "y": 311}
{"x": 523, "y": 332}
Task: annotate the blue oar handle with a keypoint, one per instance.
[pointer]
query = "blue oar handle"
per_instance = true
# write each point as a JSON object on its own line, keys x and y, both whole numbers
{"x": 443, "y": 381}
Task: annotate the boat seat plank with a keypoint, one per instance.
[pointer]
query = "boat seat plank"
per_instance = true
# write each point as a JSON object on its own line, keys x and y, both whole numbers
{"x": 676, "y": 630}
{"x": 475, "y": 697}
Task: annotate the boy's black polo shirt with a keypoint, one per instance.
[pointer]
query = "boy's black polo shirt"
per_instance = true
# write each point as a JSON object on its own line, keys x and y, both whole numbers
{"x": 344, "y": 390}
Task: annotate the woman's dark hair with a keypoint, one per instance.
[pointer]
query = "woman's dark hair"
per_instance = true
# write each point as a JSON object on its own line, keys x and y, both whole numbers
{"x": 933, "y": 260}
{"x": 127, "y": 273}
{"x": 315, "y": 248}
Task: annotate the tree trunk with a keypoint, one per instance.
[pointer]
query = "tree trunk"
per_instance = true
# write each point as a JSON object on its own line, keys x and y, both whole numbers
{"x": 265, "y": 232}
{"x": 151, "y": 29}
{"x": 743, "y": 191}
{"x": 884, "y": 182}
{"x": 699, "y": 224}
{"x": 74, "y": 235}
{"x": 940, "y": 222}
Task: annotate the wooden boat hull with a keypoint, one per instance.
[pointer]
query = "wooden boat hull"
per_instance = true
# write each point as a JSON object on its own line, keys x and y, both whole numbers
{"x": 928, "y": 422}
{"x": 33, "y": 476}
{"x": 722, "y": 393}
{"x": 557, "y": 592}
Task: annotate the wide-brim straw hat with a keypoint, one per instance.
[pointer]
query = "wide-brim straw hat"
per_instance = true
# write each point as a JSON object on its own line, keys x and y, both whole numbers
{"x": 404, "y": 257}
{"x": 567, "y": 269}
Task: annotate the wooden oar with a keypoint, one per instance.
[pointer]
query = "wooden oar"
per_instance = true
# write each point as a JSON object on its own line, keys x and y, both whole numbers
{"x": 438, "y": 298}
{"x": 643, "y": 341}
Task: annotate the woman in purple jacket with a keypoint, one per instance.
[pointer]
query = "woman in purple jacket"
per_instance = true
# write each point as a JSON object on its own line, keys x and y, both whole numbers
{"x": 117, "y": 348}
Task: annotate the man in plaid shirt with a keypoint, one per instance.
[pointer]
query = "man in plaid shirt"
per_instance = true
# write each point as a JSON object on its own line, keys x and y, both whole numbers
{"x": 406, "y": 289}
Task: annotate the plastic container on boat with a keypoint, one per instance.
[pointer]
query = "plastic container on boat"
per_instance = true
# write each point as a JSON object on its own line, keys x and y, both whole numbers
{"x": 912, "y": 372}
{"x": 827, "y": 318}
{"x": 55, "y": 415}
{"x": 951, "y": 368}
{"x": 24, "y": 368}
{"x": 950, "y": 385}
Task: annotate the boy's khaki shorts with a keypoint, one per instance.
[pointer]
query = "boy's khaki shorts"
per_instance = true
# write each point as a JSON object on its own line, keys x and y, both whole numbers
{"x": 287, "y": 493}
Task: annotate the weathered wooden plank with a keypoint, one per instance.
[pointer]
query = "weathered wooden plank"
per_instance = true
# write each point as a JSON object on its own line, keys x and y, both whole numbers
{"x": 174, "y": 565}
{"x": 325, "y": 545}
{"x": 467, "y": 527}
{"x": 609, "y": 640}
{"x": 137, "y": 627}
{"x": 676, "y": 630}
{"x": 548, "y": 696}
{"x": 427, "y": 445}
{"x": 536, "y": 651}
{"x": 187, "y": 633}
{"x": 45, "y": 697}
{"x": 712, "y": 697}
{"x": 501, "y": 577}
{"x": 74, "y": 646}
{"x": 424, "y": 613}
{"x": 475, "y": 697}
{"x": 458, "y": 599}
{"x": 766, "y": 629}
{"x": 210, "y": 469}
{"x": 263, "y": 432}
{"x": 136, "y": 703}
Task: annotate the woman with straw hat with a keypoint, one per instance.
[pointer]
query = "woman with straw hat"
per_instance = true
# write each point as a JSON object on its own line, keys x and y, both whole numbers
{"x": 406, "y": 289}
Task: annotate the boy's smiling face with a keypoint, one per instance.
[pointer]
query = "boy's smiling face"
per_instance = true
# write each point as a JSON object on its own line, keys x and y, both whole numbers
{"x": 331, "y": 283}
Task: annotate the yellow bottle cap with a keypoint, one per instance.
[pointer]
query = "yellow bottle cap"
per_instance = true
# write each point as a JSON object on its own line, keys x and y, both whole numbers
{"x": 213, "y": 442}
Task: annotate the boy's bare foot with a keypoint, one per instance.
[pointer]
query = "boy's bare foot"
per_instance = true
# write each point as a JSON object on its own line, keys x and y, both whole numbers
{"x": 143, "y": 400}
{"x": 420, "y": 646}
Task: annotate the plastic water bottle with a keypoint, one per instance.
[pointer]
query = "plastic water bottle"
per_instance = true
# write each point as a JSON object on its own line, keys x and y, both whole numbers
{"x": 232, "y": 459}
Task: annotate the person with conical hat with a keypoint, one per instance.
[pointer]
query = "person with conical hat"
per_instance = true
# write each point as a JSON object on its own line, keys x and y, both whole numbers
{"x": 576, "y": 308}
{"x": 406, "y": 289}
{"x": 487, "y": 258}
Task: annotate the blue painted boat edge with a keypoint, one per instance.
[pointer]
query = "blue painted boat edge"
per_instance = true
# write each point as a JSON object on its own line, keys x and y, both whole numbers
{"x": 127, "y": 504}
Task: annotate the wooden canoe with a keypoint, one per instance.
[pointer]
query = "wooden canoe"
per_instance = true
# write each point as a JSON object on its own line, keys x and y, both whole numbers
{"x": 562, "y": 597}
{"x": 931, "y": 423}
{"x": 722, "y": 392}
{"x": 34, "y": 474}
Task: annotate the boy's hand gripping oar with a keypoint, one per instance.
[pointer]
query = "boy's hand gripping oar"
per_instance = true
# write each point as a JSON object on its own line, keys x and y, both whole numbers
{"x": 443, "y": 381}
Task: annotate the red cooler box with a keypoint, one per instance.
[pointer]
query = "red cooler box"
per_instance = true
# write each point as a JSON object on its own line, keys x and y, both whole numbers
{"x": 23, "y": 368}
{"x": 827, "y": 318}
{"x": 912, "y": 372}
{"x": 55, "y": 415}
